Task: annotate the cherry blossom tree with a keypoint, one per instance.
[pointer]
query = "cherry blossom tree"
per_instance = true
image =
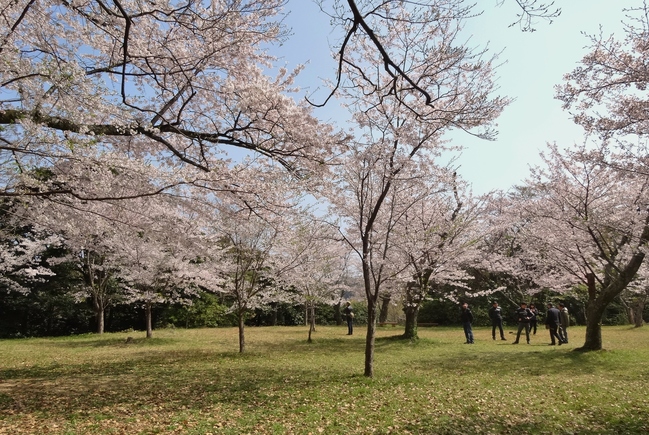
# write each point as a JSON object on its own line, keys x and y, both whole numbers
{"x": 130, "y": 100}
{"x": 166, "y": 88}
{"x": 115, "y": 102}
{"x": 111, "y": 242}
{"x": 532, "y": 10}
{"x": 173, "y": 83}
{"x": 607, "y": 96}
{"x": 363, "y": 22}
{"x": 607, "y": 93}
{"x": 246, "y": 268}
{"x": 399, "y": 132}
{"x": 587, "y": 224}
{"x": 635, "y": 296}
{"x": 93, "y": 241}
{"x": 316, "y": 264}
{"x": 503, "y": 266}
{"x": 241, "y": 253}
{"x": 21, "y": 257}
{"x": 437, "y": 238}
{"x": 157, "y": 266}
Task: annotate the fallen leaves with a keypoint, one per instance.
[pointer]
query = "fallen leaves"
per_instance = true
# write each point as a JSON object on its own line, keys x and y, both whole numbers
{"x": 197, "y": 387}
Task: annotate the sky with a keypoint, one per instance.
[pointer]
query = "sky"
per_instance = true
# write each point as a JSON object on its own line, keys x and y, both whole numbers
{"x": 533, "y": 64}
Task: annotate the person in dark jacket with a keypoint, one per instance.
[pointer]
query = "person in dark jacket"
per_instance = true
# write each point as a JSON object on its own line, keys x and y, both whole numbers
{"x": 535, "y": 317}
{"x": 552, "y": 322}
{"x": 467, "y": 318}
{"x": 349, "y": 316}
{"x": 496, "y": 316}
{"x": 523, "y": 317}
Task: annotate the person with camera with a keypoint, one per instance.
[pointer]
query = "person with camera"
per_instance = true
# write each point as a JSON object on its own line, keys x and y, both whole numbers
{"x": 349, "y": 316}
{"x": 552, "y": 322}
{"x": 466, "y": 316}
{"x": 523, "y": 317}
{"x": 495, "y": 314}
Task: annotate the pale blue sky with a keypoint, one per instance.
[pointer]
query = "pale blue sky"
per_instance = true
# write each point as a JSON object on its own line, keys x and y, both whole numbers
{"x": 534, "y": 63}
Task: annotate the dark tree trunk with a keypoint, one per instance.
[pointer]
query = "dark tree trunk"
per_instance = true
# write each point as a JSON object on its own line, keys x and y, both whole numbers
{"x": 598, "y": 301}
{"x": 370, "y": 338}
{"x": 630, "y": 315}
{"x": 242, "y": 338}
{"x": 100, "y": 321}
{"x": 385, "y": 305}
{"x": 312, "y": 322}
{"x": 149, "y": 328}
{"x": 337, "y": 316}
{"x": 594, "y": 313}
{"x": 99, "y": 314}
{"x": 637, "y": 308}
{"x": 411, "y": 312}
{"x": 275, "y": 309}
{"x": 411, "y": 305}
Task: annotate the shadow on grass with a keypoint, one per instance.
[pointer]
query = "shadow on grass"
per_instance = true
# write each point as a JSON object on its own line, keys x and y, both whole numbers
{"x": 191, "y": 379}
{"x": 355, "y": 344}
{"x": 113, "y": 342}
{"x": 606, "y": 423}
{"x": 532, "y": 362}
{"x": 142, "y": 361}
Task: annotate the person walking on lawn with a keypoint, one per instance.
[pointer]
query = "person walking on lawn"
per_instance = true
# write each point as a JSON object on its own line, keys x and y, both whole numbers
{"x": 564, "y": 318}
{"x": 535, "y": 318}
{"x": 467, "y": 318}
{"x": 496, "y": 316}
{"x": 552, "y": 323}
{"x": 523, "y": 317}
{"x": 349, "y": 316}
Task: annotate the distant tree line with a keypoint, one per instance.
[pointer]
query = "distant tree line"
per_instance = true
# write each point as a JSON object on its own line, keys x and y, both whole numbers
{"x": 51, "y": 311}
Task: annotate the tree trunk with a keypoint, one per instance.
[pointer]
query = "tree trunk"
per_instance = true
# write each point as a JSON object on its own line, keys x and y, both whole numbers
{"x": 370, "y": 338}
{"x": 242, "y": 339}
{"x": 411, "y": 321}
{"x": 311, "y": 323}
{"x": 149, "y": 328}
{"x": 637, "y": 308}
{"x": 593, "y": 328}
{"x": 275, "y": 309}
{"x": 584, "y": 315}
{"x": 100, "y": 321}
{"x": 337, "y": 316}
{"x": 99, "y": 314}
{"x": 628, "y": 310}
{"x": 385, "y": 306}
{"x": 597, "y": 302}
{"x": 411, "y": 305}
{"x": 594, "y": 311}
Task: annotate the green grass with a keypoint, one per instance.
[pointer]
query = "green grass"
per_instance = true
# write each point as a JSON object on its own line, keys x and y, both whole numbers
{"x": 195, "y": 382}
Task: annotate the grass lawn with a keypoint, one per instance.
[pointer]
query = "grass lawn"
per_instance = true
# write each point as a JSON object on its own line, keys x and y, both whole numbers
{"x": 195, "y": 382}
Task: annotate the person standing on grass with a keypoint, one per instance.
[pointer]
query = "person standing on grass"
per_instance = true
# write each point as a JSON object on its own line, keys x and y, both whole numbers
{"x": 349, "y": 316}
{"x": 496, "y": 316}
{"x": 564, "y": 318}
{"x": 467, "y": 318}
{"x": 552, "y": 323}
{"x": 535, "y": 318}
{"x": 523, "y": 317}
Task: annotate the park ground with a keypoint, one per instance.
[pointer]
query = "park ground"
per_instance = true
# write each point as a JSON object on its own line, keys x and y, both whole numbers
{"x": 196, "y": 382}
